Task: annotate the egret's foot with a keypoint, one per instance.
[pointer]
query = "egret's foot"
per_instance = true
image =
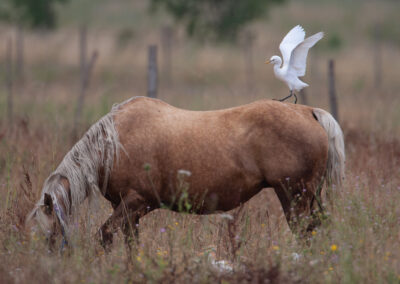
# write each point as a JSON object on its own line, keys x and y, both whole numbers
{"x": 285, "y": 98}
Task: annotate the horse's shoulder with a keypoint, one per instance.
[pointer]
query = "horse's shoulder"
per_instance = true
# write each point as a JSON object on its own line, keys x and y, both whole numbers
{"x": 141, "y": 102}
{"x": 139, "y": 107}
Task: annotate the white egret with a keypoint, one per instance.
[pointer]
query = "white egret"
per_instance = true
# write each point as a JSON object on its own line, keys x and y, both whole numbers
{"x": 294, "y": 49}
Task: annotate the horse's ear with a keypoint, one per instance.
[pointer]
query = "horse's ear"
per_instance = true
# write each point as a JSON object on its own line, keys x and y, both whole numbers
{"x": 48, "y": 203}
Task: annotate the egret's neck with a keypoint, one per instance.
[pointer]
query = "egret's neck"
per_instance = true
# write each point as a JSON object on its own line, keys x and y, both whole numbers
{"x": 277, "y": 68}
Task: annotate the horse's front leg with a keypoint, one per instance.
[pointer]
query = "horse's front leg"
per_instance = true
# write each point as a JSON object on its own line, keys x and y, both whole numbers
{"x": 130, "y": 224}
{"x": 126, "y": 215}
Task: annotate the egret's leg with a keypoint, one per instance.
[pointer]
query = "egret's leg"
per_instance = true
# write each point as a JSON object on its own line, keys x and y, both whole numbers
{"x": 285, "y": 98}
{"x": 295, "y": 98}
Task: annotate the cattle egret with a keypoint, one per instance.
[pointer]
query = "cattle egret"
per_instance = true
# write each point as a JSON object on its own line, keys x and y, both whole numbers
{"x": 294, "y": 49}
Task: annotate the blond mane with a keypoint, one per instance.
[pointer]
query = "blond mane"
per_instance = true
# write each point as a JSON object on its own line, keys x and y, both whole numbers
{"x": 96, "y": 152}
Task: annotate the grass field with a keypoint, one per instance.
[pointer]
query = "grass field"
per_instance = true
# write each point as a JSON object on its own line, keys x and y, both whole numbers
{"x": 359, "y": 243}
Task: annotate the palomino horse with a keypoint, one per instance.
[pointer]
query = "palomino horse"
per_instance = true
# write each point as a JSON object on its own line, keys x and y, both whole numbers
{"x": 136, "y": 155}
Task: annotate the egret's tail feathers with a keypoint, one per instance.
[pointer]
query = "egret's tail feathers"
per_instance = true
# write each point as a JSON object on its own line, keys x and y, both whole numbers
{"x": 304, "y": 85}
{"x": 300, "y": 85}
{"x": 336, "y": 153}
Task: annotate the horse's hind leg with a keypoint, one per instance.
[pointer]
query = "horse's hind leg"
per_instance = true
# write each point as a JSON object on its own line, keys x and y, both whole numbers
{"x": 300, "y": 205}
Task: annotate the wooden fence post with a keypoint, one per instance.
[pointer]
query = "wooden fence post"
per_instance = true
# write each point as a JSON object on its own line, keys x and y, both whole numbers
{"x": 19, "y": 53}
{"x": 303, "y": 97}
{"x": 377, "y": 68}
{"x": 152, "y": 79}
{"x": 9, "y": 81}
{"x": 166, "y": 47}
{"x": 248, "y": 57}
{"x": 332, "y": 90}
{"x": 84, "y": 86}
{"x": 82, "y": 51}
{"x": 85, "y": 73}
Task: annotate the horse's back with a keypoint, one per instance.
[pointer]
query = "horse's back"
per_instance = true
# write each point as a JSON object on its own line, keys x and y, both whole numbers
{"x": 274, "y": 132}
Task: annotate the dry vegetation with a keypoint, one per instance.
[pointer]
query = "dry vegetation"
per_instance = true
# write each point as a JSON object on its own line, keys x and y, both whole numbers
{"x": 359, "y": 243}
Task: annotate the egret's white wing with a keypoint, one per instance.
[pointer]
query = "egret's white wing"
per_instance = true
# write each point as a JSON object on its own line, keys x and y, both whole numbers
{"x": 290, "y": 41}
{"x": 298, "y": 59}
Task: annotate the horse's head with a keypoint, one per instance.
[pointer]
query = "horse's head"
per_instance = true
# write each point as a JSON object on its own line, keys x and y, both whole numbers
{"x": 48, "y": 219}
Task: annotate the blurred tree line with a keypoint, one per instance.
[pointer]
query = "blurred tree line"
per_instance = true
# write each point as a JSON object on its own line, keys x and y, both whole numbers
{"x": 31, "y": 13}
{"x": 215, "y": 19}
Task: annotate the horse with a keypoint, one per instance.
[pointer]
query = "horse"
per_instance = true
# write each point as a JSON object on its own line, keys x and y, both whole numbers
{"x": 146, "y": 154}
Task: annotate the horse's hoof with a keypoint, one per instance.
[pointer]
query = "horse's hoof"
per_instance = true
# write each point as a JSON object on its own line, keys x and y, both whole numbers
{"x": 106, "y": 239}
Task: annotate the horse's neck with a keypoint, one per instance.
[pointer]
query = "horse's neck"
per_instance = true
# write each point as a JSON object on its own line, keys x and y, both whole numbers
{"x": 64, "y": 198}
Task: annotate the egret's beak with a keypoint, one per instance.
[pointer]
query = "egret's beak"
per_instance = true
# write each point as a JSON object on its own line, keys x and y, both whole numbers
{"x": 268, "y": 61}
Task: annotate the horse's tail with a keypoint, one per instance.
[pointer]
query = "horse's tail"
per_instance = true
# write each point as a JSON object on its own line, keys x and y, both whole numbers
{"x": 336, "y": 156}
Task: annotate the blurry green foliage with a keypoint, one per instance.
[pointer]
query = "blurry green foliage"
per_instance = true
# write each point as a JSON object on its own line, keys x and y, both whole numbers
{"x": 31, "y": 13}
{"x": 359, "y": 84}
{"x": 125, "y": 36}
{"x": 215, "y": 19}
{"x": 334, "y": 41}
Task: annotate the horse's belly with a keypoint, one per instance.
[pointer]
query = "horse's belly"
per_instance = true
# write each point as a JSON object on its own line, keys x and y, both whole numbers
{"x": 211, "y": 194}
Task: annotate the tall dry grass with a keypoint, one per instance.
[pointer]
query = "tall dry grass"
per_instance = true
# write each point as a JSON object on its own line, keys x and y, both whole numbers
{"x": 358, "y": 243}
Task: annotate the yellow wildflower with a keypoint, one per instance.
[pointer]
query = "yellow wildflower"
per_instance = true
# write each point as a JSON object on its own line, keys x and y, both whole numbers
{"x": 387, "y": 254}
{"x": 275, "y": 247}
{"x": 35, "y": 237}
{"x": 263, "y": 225}
{"x": 138, "y": 258}
{"x": 313, "y": 233}
{"x": 334, "y": 247}
{"x": 176, "y": 223}
{"x": 330, "y": 268}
